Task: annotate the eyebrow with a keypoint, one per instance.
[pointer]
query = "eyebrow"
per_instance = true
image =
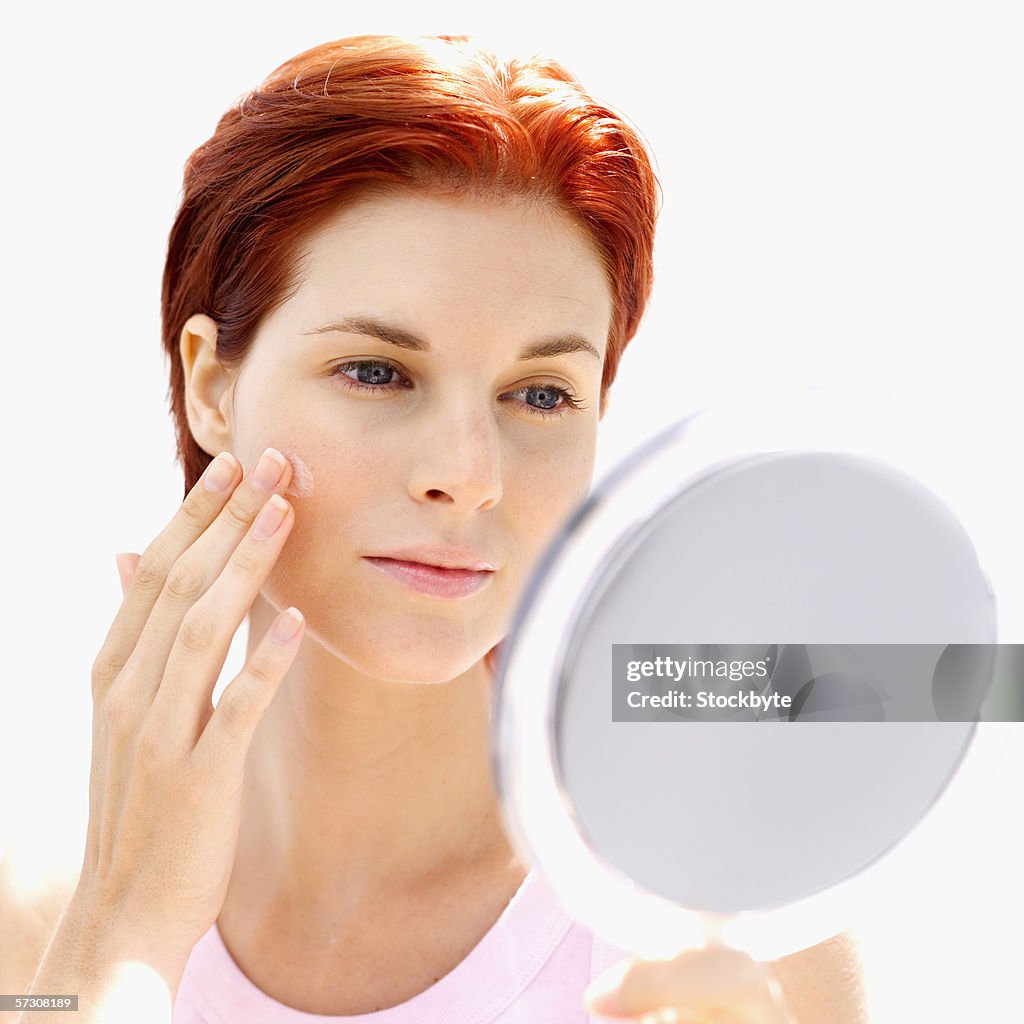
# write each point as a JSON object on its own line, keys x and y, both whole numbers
{"x": 394, "y": 335}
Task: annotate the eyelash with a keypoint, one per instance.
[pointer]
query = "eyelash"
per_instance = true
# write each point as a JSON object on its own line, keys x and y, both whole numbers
{"x": 569, "y": 401}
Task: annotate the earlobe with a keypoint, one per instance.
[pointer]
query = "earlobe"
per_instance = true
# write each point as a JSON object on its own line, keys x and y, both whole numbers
{"x": 207, "y": 385}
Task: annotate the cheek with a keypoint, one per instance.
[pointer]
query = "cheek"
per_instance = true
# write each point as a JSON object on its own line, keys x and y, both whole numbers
{"x": 335, "y": 488}
{"x": 541, "y": 490}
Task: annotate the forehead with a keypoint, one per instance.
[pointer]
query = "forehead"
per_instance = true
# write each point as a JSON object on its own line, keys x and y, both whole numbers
{"x": 429, "y": 260}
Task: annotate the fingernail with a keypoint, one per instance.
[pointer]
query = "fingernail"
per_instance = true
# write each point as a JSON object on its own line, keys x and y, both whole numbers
{"x": 270, "y": 518}
{"x": 287, "y": 626}
{"x": 122, "y": 568}
{"x": 268, "y": 470}
{"x": 220, "y": 472}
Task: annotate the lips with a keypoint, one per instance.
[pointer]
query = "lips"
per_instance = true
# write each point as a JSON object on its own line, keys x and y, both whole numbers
{"x": 440, "y": 557}
{"x": 432, "y": 580}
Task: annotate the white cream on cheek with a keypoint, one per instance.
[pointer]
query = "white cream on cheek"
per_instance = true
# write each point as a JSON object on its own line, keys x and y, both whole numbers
{"x": 301, "y": 484}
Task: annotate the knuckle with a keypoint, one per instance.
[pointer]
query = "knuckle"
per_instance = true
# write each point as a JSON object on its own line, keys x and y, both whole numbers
{"x": 197, "y": 631}
{"x": 246, "y": 560}
{"x": 262, "y": 670}
{"x": 239, "y": 514}
{"x": 193, "y": 514}
{"x": 186, "y": 580}
{"x": 150, "y": 573}
{"x": 104, "y": 670}
{"x": 118, "y": 710}
{"x": 238, "y": 708}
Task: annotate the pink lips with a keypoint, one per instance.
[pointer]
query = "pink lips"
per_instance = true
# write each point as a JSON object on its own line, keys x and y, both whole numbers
{"x": 432, "y": 579}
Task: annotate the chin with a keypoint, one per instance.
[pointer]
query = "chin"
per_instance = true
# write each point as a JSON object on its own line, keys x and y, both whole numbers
{"x": 392, "y": 637}
{"x": 410, "y": 652}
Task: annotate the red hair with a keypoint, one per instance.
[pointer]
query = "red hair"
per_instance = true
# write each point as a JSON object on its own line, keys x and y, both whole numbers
{"x": 392, "y": 113}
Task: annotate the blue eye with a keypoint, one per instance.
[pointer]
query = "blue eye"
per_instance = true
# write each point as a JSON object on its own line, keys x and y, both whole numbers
{"x": 380, "y": 376}
{"x": 553, "y": 401}
{"x": 369, "y": 374}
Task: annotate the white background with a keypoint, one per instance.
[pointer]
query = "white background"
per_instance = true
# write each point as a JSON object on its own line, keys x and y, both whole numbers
{"x": 843, "y": 207}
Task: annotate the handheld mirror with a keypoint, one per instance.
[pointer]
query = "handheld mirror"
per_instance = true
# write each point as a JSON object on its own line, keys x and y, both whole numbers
{"x": 815, "y": 564}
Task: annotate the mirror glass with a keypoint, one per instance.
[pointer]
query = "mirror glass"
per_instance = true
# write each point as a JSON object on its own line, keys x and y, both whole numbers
{"x": 747, "y": 813}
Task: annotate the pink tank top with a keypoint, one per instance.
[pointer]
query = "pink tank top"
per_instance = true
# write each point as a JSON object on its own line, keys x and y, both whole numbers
{"x": 531, "y": 967}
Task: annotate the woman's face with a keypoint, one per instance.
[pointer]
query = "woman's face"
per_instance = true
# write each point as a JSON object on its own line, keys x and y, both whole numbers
{"x": 398, "y": 375}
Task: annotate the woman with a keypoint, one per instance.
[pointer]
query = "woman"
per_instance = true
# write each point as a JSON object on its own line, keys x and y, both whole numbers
{"x": 397, "y": 291}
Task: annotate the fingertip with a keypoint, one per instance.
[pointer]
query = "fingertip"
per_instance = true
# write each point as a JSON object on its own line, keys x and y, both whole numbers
{"x": 125, "y": 562}
{"x": 288, "y": 625}
{"x": 604, "y": 1005}
{"x": 604, "y": 994}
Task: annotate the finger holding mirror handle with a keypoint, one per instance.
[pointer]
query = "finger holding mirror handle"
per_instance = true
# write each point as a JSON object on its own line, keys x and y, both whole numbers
{"x": 717, "y": 983}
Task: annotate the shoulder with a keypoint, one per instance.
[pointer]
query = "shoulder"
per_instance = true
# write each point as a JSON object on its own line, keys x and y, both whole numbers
{"x": 34, "y": 890}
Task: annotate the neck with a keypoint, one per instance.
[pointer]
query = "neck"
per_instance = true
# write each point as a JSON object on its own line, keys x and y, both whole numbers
{"x": 357, "y": 786}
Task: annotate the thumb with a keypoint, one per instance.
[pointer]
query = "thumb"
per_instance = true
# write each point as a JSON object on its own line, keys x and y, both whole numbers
{"x": 126, "y": 566}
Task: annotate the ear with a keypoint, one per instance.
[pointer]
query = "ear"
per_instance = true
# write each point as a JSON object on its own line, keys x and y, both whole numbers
{"x": 208, "y": 385}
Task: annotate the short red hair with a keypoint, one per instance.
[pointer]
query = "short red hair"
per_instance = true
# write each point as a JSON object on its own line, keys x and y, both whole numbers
{"x": 389, "y": 112}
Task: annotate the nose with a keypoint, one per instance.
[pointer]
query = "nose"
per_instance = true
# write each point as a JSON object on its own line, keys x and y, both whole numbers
{"x": 457, "y": 459}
